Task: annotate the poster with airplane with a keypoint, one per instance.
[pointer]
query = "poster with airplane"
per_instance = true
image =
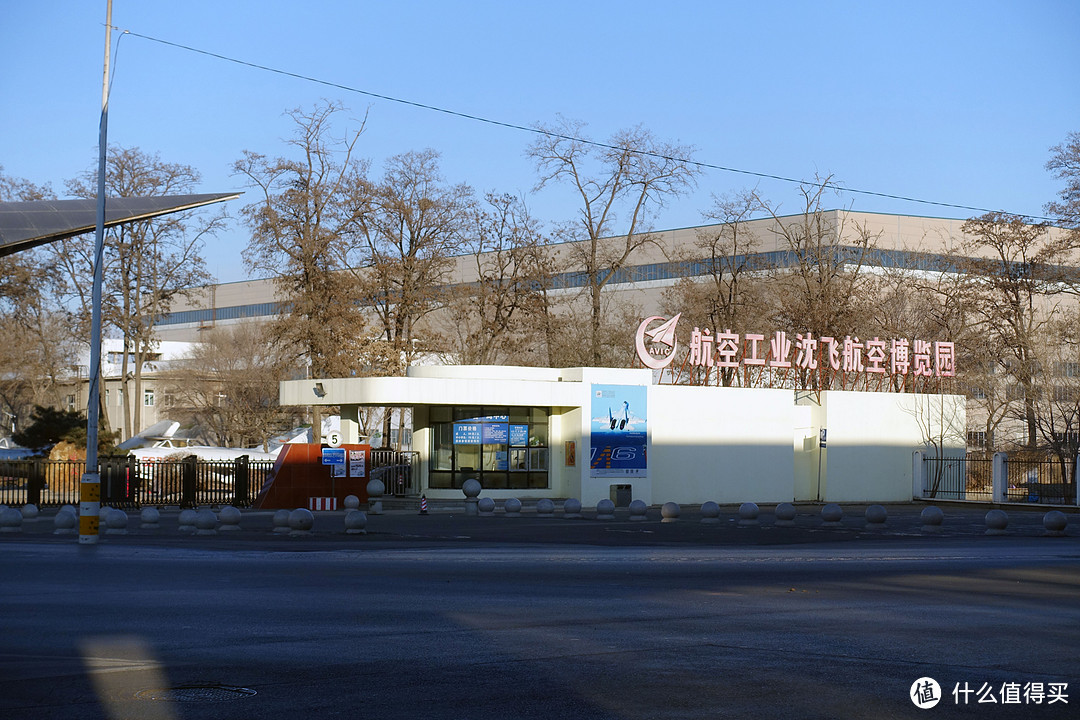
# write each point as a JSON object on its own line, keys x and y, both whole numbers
{"x": 618, "y": 431}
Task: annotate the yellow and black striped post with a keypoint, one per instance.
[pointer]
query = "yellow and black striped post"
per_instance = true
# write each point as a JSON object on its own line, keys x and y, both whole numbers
{"x": 89, "y": 508}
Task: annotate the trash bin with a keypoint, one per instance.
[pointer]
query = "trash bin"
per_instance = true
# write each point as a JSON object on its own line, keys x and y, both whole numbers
{"x": 621, "y": 495}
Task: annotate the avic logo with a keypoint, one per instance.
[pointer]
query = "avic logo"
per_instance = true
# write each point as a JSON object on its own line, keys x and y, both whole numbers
{"x": 659, "y": 350}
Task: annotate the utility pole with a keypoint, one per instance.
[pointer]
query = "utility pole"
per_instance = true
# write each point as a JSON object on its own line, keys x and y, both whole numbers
{"x": 90, "y": 485}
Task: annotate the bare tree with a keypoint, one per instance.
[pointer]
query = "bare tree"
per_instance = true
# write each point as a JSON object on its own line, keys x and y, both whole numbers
{"x": 619, "y": 185}
{"x": 1065, "y": 165}
{"x": 823, "y": 290}
{"x": 727, "y": 291}
{"x": 228, "y": 383}
{"x": 414, "y": 224}
{"x": 302, "y": 224}
{"x": 1014, "y": 269}
{"x": 147, "y": 264}
{"x": 490, "y": 315}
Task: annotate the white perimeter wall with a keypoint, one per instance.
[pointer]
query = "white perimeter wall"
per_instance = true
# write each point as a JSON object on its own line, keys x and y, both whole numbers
{"x": 728, "y": 445}
{"x": 871, "y": 437}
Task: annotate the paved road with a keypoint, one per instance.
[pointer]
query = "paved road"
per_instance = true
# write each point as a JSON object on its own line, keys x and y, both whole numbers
{"x": 434, "y": 618}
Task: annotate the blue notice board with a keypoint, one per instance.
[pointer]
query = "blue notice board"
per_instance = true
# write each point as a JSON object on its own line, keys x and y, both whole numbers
{"x": 333, "y": 456}
{"x": 495, "y": 433}
{"x": 467, "y": 433}
{"x": 519, "y": 435}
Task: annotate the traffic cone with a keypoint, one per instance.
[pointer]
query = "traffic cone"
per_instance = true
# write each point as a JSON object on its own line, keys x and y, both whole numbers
{"x": 423, "y": 504}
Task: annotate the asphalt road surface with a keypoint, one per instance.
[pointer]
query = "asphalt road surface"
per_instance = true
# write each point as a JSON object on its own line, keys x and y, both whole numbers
{"x": 437, "y": 618}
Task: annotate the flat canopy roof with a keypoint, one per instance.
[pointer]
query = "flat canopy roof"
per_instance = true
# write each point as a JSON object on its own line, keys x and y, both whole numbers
{"x": 24, "y": 225}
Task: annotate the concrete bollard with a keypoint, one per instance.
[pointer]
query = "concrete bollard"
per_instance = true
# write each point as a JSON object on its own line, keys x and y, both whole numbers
{"x": 748, "y": 514}
{"x": 281, "y": 522}
{"x": 187, "y": 520}
{"x": 149, "y": 518}
{"x": 512, "y": 507}
{"x": 832, "y": 515}
{"x": 545, "y": 508}
{"x": 669, "y": 512}
{"x": 30, "y": 512}
{"x": 638, "y": 510}
{"x": 352, "y": 503}
{"x": 784, "y": 515}
{"x": 64, "y": 523}
{"x": 301, "y": 520}
{"x": 605, "y": 510}
{"x": 710, "y": 512}
{"x": 1055, "y": 523}
{"x": 996, "y": 522}
{"x": 572, "y": 508}
{"x": 471, "y": 488}
{"x": 116, "y": 522}
{"x": 11, "y": 521}
{"x": 206, "y": 522}
{"x": 230, "y": 519}
{"x": 931, "y": 517}
{"x": 876, "y": 515}
{"x": 485, "y": 507}
{"x": 375, "y": 490}
{"x": 355, "y": 522}
{"x": 70, "y": 508}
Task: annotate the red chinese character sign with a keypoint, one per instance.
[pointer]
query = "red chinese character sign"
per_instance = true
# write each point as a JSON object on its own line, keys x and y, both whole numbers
{"x": 797, "y": 360}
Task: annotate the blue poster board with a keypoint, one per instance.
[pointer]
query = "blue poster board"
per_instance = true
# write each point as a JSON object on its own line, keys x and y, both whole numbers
{"x": 494, "y": 433}
{"x": 467, "y": 433}
{"x": 333, "y": 456}
{"x": 519, "y": 435}
{"x": 619, "y": 433}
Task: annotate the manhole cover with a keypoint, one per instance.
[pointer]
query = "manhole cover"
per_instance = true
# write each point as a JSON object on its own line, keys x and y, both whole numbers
{"x": 203, "y": 692}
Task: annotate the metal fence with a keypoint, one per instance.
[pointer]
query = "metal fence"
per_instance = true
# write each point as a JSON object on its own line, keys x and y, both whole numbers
{"x": 959, "y": 478}
{"x": 1043, "y": 480}
{"x": 1028, "y": 479}
{"x": 399, "y": 471}
{"x": 127, "y": 482}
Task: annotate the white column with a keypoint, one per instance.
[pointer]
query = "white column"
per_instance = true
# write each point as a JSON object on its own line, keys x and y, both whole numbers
{"x": 917, "y": 470}
{"x": 1001, "y": 477}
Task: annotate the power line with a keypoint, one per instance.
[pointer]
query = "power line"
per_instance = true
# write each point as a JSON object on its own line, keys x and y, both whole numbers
{"x": 559, "y": 136}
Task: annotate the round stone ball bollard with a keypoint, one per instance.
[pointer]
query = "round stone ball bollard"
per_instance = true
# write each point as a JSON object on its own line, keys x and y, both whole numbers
{"x": 11, "y": 521}
{"x": 605, "y": 510}
{"x": 931, "y": 517}
{"x": 230, "y": 519}
{"x": 471, "y": 488}
{"x": 281, "y": 522}
{"x": 301, "y": 520}
{"x": 669, "y": 512}
{"x": 30, "y": 511}
{"x": 355, "y": 522}
{"x": 1055, "y": 522}
{"x": 572, "y": 508}
{"x": 748, "y": 514}
{"x": 638, "y": 509}
{"x": 116, "y": 522}
{"x": 149, "y": 518}
{"x": 206, "y": 522}
{"x": 512, "y": 508}
{"x": 187, "y": 520}
{"x": 375, "y": 490}
{"x": 831, "y": 515}
{"x": 996, "y": 522}
{"x": 545, "y": 508}
{"x": 72, "y": 508}
{"x": 64, "y": 523}
{"x": 710, "y": 513}
{"x": 876, "y": 515}
{"x": 784, "y": 515}
{"x": 485, "y": 507}
{"x": 352, "y": 503}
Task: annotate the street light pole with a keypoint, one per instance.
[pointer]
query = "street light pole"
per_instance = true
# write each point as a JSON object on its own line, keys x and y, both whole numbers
{"x": 90, "y": 485}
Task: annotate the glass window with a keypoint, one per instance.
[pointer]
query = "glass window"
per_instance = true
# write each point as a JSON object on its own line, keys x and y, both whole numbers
{"x": 148, "y": 398}
{"x": 502, "y": 447}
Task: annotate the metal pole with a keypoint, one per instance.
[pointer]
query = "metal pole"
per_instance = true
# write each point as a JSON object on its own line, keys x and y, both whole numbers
{"x": 90, "y": 485}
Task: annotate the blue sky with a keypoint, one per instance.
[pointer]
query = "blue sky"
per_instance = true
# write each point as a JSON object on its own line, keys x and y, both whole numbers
{"x": 955, "y": 102}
